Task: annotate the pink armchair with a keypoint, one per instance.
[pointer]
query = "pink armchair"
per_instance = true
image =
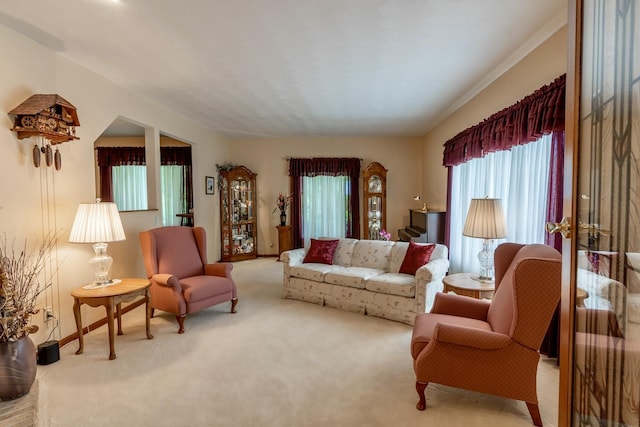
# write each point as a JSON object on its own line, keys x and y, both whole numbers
{"x": 492, "y": 347}
{"x": 182, "y": 281}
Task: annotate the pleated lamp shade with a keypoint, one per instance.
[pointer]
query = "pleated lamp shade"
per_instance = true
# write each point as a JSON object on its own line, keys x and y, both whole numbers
{"x": 97, "y": 222}
{"x": 485, "y": 220}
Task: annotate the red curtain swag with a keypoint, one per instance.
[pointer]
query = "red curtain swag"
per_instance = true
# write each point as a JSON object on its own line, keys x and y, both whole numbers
{"x": 538, "y": 114}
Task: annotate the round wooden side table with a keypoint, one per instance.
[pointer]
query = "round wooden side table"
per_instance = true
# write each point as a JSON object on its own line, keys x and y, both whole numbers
{"x": 465, "y": 284}
{"x": 111, "y": 297}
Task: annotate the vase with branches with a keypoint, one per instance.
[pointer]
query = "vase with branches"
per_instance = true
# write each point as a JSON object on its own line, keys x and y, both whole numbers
{"x": 282, "y": 203}
{"x": 21, "y": 283}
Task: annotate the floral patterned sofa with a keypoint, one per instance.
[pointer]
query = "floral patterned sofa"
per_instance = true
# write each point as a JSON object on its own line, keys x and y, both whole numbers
{"x": 364, "y": 276}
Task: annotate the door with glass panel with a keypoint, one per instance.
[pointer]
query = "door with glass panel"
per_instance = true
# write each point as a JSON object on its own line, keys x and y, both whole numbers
{"x": 600, "y": 349}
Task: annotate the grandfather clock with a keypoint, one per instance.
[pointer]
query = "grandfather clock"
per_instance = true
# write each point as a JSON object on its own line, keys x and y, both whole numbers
{"x": 374, "y": 179}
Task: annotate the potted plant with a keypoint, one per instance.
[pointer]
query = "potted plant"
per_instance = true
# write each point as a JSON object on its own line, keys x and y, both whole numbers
{"x": 20, "y": 286}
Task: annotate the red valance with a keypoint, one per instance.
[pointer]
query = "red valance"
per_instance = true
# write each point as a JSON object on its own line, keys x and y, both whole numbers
{"x": 327, "y": 166}
{"x": 123, "y": 156}
{"x": 538, "y": 114}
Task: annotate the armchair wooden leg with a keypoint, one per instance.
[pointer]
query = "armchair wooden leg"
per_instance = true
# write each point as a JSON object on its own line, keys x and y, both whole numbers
{"x": 153, "y": 311}
{"x": 180, "y": 319}
{"x": 234, "y": 302}
{"x": 422, "y": 404}
{"x": 535, "y": 414}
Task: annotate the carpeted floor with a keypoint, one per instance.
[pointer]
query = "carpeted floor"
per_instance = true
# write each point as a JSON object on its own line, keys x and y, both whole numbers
{"x": 276, "y": 362}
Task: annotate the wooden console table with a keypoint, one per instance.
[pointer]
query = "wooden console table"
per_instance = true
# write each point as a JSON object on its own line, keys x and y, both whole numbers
{"x": 111, "y": 297}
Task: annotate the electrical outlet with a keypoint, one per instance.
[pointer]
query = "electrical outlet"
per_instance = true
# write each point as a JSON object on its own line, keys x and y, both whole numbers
{"x": 48, "y": 313}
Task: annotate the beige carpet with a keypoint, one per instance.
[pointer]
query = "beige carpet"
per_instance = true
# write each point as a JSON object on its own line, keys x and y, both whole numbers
{"x": 276, "y": 362}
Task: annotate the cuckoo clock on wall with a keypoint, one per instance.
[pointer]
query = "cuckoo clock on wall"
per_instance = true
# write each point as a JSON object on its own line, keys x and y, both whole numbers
{"x": 50, "y": 117}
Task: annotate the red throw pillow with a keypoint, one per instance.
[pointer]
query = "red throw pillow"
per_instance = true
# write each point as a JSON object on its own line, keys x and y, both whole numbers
{"x": 416, "y": 257}
{"x": 321, "y": 251}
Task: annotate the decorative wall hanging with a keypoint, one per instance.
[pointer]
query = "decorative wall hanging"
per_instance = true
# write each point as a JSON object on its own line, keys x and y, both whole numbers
{"x": 52, "y": 118}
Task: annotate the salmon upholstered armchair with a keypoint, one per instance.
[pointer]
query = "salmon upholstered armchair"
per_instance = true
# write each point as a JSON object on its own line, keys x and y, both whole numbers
{"x": 182, "y": 281}
{"x": 492, "y": 347}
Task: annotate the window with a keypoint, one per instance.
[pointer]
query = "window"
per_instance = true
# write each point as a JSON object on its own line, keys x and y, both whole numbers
{"x": 317, "y": 206}
{"x": 173, "y": 197}
{"x": 129, "y": 184}
{"x": 123, "y": 179}
{"x": 520, "y": 178}
{"x": 325, "y": 207}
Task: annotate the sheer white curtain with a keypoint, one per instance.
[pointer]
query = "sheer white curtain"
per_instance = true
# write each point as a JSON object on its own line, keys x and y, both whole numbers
{"x": 324, "y": 207}
{"x": 171, "y": 182}
{"x": 519, "y": 178}
{"x": 129, "y": 185}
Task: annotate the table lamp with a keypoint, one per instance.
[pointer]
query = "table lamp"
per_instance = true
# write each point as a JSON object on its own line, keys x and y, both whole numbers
{"x": 485, "y": 220}
{"x": 98, "y": 223}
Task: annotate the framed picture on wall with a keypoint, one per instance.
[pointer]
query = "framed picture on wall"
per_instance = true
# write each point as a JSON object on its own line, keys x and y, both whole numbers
{"x": 210, "y": 185}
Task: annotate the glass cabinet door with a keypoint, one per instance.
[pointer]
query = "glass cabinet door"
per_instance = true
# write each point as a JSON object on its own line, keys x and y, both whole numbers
{"x": 600, "y": 359}
{"x": 238, "y": 214}
{"x": 374, "y": 181}
{"x": 225, "y": 217}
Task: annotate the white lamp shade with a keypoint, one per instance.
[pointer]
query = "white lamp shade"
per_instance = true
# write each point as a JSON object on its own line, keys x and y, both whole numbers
{"x": 485, "y": 220}
{"x": 97, "y": 222}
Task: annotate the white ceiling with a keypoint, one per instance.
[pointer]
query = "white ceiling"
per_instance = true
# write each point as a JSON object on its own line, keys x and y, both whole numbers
{"x": 265, "y": 68}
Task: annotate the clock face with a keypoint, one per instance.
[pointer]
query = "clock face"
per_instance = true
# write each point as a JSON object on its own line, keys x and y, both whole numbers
{"x": 375, "y": 184}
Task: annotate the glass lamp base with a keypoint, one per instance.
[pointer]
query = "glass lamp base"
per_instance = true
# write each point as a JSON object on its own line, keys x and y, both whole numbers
{"x": 101, "y": 263}
{"x": 486, "y": 261}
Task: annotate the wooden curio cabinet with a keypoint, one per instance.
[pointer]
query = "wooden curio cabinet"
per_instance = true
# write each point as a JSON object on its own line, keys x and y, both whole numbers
{"x": 374, "y": 179}
{"x": 238, "y": 218}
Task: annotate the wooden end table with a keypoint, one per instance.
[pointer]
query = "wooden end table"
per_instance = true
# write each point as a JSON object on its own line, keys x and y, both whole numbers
{"x": 465, "y": 284}
{"x": 111, "y": 297}
{"x": 284, "y": 239}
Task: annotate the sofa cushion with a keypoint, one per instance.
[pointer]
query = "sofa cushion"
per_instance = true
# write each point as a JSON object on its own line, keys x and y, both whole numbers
{"x": 344, "y": 252}
{"x": 198, "y": 288}
{"x": 313, "y": 272}
{"x": 397, "y": 256}
{"x": 321, "y": 251}
{"x": 353, "y": 277}
{"x": 372, "y": 254}
{"x": 416, "y": 257}
{"x": 400, "y": 284}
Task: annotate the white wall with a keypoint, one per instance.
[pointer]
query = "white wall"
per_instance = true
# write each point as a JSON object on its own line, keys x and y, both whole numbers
{"x": 268, "y": 158}
{"x": 34, "y": 200}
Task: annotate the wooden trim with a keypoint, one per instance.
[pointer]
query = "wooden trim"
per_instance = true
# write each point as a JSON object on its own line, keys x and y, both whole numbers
{"x": 570, "y": 210}
{"x": 95, "y": 325}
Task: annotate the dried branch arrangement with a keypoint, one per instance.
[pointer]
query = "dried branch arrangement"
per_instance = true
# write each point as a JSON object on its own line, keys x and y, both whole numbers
{"x": 21, "y": 283}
